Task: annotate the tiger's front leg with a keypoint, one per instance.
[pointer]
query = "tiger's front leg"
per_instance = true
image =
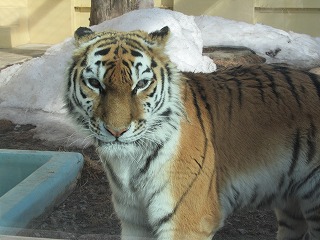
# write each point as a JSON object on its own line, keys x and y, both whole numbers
{"x": 178, "y": 231}
{"x": 133, "y": 218}
{"x": 134, "y": 225}
{"x": 189, "y": 224}
{"x": 193, "y": 213}
{"x": 132, "y": 231}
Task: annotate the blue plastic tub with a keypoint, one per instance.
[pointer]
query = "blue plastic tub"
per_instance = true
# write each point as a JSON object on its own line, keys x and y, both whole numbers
{"x": 31, "y": 182}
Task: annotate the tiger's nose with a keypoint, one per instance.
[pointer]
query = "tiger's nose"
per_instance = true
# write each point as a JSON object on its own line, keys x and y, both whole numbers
{"x": 116, "y": 132}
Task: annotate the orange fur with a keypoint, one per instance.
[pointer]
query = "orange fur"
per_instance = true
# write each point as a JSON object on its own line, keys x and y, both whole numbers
{"x": 215, "y": 143}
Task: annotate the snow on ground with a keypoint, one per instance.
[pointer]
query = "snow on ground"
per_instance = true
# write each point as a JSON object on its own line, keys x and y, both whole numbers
{"x": 277, "y": 46}
{"x": 32, "y": 92}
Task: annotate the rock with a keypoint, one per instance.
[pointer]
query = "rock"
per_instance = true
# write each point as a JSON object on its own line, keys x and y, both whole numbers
{"x": 226, "y": 57}
{"x": 315, "y": 70}
{"x": 6, "y": 126}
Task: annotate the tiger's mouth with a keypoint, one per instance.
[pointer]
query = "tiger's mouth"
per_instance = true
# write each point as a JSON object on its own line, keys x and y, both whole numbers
{"x": 107, "y": 140}
{"x": 116, "y": 141}
{"x": 133, "y": 136}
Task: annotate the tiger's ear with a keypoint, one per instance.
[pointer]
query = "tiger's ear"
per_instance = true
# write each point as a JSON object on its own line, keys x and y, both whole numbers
{"x": 82, "y": 35}
{"x": 161, "y": 36}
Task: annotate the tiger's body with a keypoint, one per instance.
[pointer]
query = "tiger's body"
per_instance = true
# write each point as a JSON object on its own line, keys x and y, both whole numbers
{"x": 182, "y": 151}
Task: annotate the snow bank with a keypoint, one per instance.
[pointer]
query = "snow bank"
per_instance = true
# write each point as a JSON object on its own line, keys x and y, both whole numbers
{"x": 277, "y": 46}
{"x": 32, "y": 92}
{"x": 185, "y": 45}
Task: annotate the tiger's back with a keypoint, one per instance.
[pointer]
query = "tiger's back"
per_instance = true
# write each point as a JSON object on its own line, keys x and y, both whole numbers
{"x": 260, "y": 124}
{"x": 183, "y": 151}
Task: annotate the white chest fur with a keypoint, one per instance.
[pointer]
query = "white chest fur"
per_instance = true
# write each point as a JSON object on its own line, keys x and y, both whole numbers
{"x": 140, "y": 182}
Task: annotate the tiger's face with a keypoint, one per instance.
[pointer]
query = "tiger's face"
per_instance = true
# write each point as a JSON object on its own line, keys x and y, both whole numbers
{"x": 123, "y": 88}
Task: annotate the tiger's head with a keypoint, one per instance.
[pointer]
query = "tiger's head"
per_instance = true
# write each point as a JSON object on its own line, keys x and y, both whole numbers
{"x": 123, "y": 88}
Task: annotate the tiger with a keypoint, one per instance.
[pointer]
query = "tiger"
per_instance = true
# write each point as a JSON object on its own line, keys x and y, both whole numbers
{"x": 182, "y": 151}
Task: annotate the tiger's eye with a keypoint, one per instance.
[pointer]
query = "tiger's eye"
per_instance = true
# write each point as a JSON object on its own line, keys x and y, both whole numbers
{"x": 94, "y": 82}
{"x": 142, "y": 84}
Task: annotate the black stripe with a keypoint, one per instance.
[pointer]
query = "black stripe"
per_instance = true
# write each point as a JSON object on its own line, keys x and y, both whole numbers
{"x": 153, "y": 64}
{"x": 254, "y": 195}
{"x": 163, "y": 220}
{"x": 128, "y": 67}
{"x": 72, "y": 72}
{"x": 284, "y": 224}
{"x": 239, "y": 86}
{"x": 311, "y": 143}
{"x": 167, "y": 112}
{"x": 266, "y": 201}
{"x": 159, "y": 103}
{"x": 196, "y": 161}
{"x": 272, "y": 85}
{"x": 316, "y": 229}
{"x": 281, "y": 182}
{"x": 284, "y": 72}
{"x": 316, "y": 82}
{"x": 145, "y": 168}
{"x": 312, "y": 209}
{"x": 230, "y": 103}
{"x": 153, "y": 92}
{"x": 112, "y": 74}
{"x": 211, "y": 180}
{"x": 260, "y": 87}
{"x": 162, "y": 79}
{"x": 88, "y": 69}
{"x": 109, "y": 66}
{"x": 83, "y": 62}
{"x": 76, "y": 100}
{"x": 137, "y": 68}
{"x": 215, "y": 88}
{"x": 314, "y": 172}
{"x": 116, "y": 51}
{"x": 74, "y": 79}
{"x": 236, "y": 198}
{"x": 293, "y": 215}
{"x": 102, "y": 52}
{"x": 150, "y": 159}
{"x": 82, "y": 94}
{"x": 69, "y": 105}
{"x": 133, "y": 42}
{"x": 313, "y": 218}
{"x": 124, "y": 50}
{"x": 289, "y": 190}
{"x": 295, "y": 152}
{"x": 155, "y": 193}
{"x": 311, "y": 192}
{"x": 113, "y": 176}
{"x": 106, "y": 41}
{"x": 136, "y": 53}
{"x": 74, "y": 94}
{"x": 203, "y": 96}
{"x": 147, "y": 70}
{"x": 135, "y": 45}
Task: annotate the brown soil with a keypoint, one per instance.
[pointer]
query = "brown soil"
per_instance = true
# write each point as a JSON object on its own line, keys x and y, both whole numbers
{"x": 87, "y": 212}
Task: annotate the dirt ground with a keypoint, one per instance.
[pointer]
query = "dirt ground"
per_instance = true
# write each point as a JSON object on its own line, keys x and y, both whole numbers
{"x": 87, "y": 212}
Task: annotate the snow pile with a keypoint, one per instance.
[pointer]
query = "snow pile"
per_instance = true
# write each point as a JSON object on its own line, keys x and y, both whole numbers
{"x": 185, "y": 45}
{"x": 33, "y": 91}
{"x": 39, "y": 83}
{"x": 277, "y": 46}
